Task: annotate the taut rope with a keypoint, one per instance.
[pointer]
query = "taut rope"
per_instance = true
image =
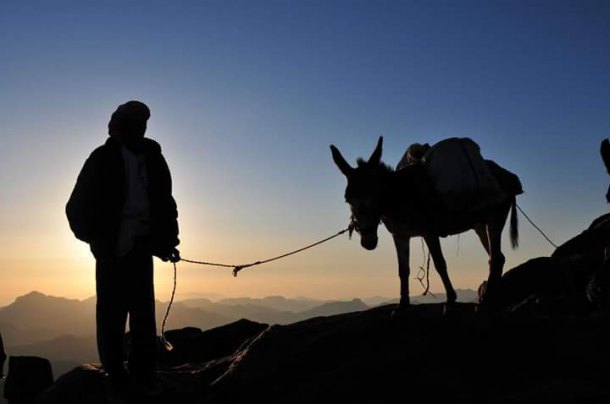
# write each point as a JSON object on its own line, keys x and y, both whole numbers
{"x": 536, "y": 227}
{"x": 237, "y": 268}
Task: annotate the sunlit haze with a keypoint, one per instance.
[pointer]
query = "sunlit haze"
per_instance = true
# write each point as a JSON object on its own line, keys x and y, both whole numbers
{"x": 247, "y": 96}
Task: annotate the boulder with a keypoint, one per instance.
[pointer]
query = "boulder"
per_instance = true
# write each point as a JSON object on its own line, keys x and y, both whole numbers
{"x": 27, "y": 377}
{"x": 575, "y": 279}
{"x": 192, "y": 345}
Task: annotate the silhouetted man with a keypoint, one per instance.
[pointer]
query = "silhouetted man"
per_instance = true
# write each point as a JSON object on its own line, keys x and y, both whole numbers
{"x": 122, "y": 205}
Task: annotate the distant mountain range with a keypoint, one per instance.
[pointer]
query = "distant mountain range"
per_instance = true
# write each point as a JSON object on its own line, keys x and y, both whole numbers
{"x": 63, "y": 330}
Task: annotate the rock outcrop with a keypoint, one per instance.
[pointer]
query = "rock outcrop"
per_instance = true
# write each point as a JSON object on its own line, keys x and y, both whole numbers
{"x": 426, "y": 354}
{"x": 192, "y": 345}
{"x": 28, "y": 376}
{"x": 575, "y": 279}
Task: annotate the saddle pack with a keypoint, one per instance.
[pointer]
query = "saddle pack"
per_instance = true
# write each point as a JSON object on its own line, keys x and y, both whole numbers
{"x": 459, "y": 173}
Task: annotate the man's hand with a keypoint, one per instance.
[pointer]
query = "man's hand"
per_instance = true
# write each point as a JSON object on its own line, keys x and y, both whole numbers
{"x": 171, "y": 256}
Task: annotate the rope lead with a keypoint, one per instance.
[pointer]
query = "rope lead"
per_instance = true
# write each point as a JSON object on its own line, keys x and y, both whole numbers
{"x": 236, "y": 268}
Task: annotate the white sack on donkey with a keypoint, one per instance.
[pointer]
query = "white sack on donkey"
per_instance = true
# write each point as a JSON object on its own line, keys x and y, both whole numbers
{"x": 459, "y": 173}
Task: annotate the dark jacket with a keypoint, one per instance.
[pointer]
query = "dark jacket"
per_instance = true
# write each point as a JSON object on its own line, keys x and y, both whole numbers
{"x": 95, "y": 207}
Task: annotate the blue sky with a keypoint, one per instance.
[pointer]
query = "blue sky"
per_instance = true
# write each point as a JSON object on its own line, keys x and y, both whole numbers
{"x": 247, "y": 96}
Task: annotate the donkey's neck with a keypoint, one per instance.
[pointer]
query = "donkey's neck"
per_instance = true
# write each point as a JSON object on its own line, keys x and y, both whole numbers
{"x": 408, "y": 192}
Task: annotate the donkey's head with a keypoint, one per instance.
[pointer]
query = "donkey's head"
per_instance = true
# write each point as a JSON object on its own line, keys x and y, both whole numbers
{"x": 364, "y": 193}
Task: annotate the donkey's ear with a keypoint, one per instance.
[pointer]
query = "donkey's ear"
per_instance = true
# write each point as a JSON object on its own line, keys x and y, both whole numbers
{"x": 343, "y": 165}
{"x": 376, "y": 156}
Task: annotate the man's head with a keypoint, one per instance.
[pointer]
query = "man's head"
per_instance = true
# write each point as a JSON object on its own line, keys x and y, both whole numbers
{"x": 128, "y": 123}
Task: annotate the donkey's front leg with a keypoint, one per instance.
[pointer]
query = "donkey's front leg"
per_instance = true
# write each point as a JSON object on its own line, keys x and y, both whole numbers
{"x": 402, "y": 252}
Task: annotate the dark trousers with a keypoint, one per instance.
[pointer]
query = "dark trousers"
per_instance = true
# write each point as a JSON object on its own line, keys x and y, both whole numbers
{"x": 125, "y": 287}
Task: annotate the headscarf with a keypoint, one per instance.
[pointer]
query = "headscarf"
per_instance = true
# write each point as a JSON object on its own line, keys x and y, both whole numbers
{"x": 127, "y": 116}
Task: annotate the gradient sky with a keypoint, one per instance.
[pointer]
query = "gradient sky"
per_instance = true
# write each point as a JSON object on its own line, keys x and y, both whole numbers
{"x": 246, "y": 96}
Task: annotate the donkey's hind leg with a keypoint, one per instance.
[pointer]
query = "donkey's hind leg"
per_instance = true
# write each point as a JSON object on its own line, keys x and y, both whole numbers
{"x": 482, "y": 233}
{"x": 492, "y": 295}
{"x": 434, "y": 245}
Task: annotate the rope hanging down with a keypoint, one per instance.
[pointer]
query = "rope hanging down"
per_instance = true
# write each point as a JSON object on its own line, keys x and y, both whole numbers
{"x": 164, "y": 340}
{"x": 424, "y": 273}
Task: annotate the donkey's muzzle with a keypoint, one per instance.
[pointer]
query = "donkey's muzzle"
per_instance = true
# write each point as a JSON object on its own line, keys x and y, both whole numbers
{"x": 368, "y": 242}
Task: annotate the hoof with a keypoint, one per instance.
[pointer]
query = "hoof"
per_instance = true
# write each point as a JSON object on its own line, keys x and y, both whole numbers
{"x": 400, "y": 311}
{"x": 451, "y": 297}
{"x": 487, "y": 308}
{"x": 450, "y": 308}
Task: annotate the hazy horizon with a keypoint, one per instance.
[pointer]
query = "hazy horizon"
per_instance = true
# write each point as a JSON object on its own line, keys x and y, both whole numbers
{"x": 215, "y": 298}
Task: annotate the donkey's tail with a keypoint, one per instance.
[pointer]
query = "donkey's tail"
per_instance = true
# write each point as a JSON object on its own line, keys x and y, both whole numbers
{"x": 514, "y": 224}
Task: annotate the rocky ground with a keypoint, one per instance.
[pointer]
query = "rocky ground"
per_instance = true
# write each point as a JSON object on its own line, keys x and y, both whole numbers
{"x": 426, "y": 354}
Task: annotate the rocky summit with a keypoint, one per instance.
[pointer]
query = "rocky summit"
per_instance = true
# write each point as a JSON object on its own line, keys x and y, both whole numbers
{"x": 427, "y": 353}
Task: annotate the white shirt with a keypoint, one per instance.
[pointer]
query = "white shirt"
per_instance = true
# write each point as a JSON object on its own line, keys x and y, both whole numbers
{"x": 136, "y": 209}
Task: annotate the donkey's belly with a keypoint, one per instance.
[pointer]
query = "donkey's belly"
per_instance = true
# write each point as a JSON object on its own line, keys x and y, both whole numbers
{"x": 404, "y": 228}
{"x": 450, "y": 224}
{"x": 441, "y": 224}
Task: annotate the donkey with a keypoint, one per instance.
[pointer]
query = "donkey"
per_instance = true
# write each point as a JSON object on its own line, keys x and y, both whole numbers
{"x": 407, "y": 204}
